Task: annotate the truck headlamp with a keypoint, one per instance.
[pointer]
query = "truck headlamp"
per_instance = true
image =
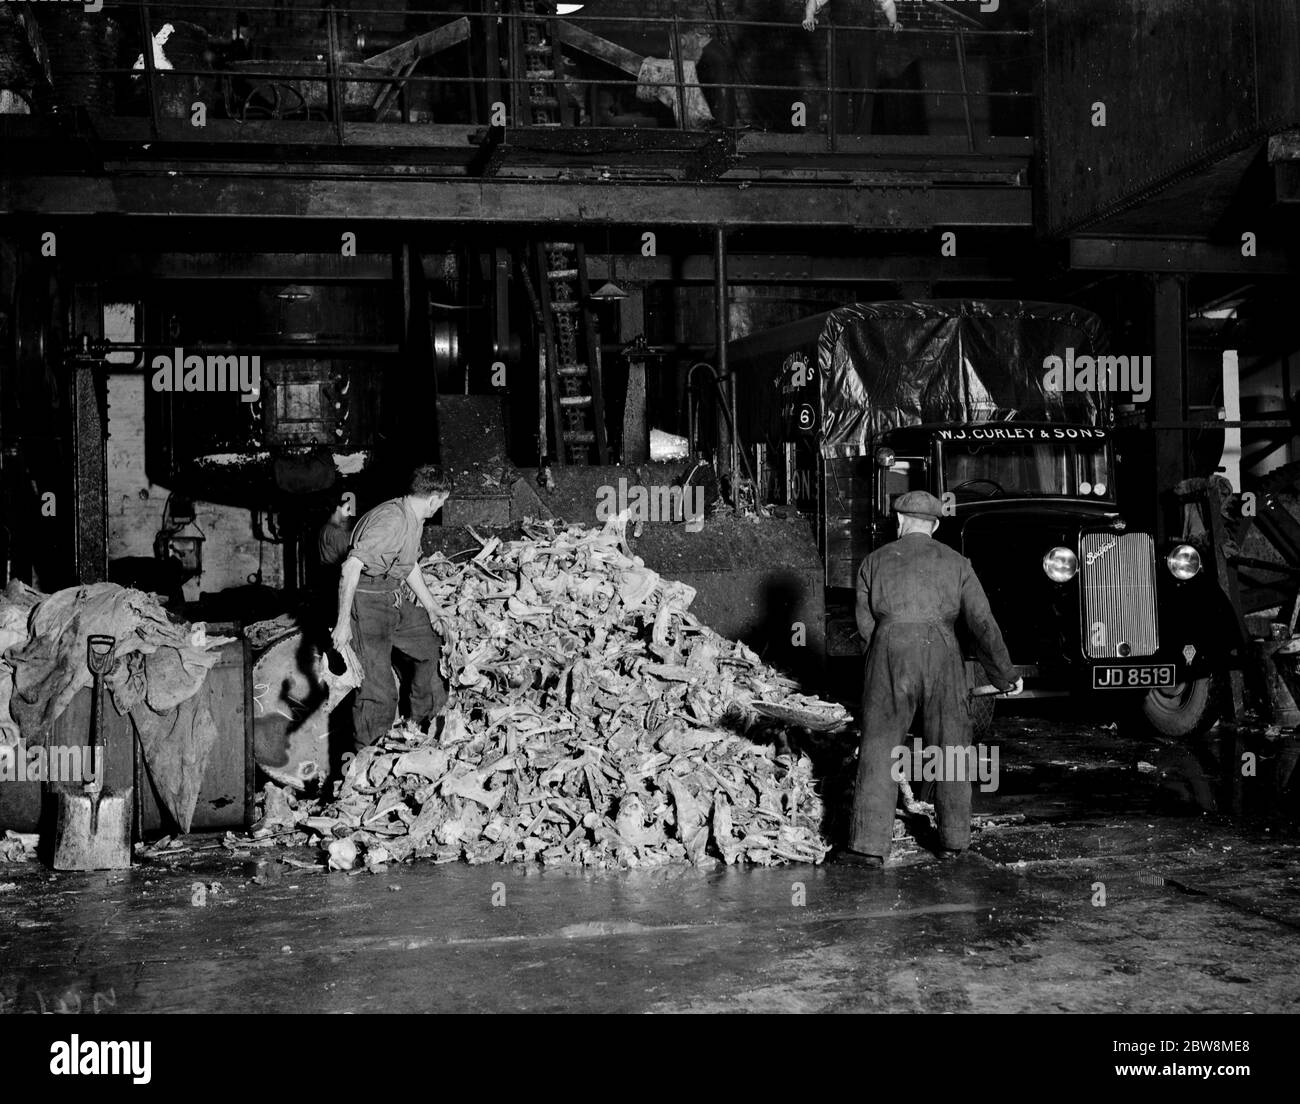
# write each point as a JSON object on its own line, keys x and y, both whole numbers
{"x": 1183, "y": 562}
{"x": 884, "y": 458}
{"x": 1060, "y": 565}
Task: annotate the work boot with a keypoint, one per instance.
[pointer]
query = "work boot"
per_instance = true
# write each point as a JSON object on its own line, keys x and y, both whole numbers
{"x": 950, "y": 854}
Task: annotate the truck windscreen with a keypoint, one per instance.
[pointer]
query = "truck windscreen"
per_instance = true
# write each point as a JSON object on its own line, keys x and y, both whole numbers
{"x": 975, "y": 470}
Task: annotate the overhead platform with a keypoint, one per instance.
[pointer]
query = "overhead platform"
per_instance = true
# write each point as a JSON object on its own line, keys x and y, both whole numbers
{"x": 338, "y": 116}
{"x": 229, "y": 194}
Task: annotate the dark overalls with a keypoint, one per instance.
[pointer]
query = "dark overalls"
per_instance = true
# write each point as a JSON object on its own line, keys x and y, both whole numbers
{"x": 854, "y": 65}
{"x": 910, "y": 594}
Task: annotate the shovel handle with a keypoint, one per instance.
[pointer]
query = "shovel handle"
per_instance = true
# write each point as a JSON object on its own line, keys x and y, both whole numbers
{"x": 99, "y": 651}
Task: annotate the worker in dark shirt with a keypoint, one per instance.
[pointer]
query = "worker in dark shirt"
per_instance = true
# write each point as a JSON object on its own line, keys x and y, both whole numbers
{"x": 910, "y": 594}
{"x": 376, "y": 618}
{"x": 333, "y": 540}
{"x": 332, "y": 543}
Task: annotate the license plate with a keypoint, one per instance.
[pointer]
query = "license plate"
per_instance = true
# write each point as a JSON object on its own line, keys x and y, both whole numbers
{"x": 1132, "y": 678}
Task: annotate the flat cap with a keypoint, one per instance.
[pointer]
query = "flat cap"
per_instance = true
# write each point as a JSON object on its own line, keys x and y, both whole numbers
{"x": 918, "y": 504}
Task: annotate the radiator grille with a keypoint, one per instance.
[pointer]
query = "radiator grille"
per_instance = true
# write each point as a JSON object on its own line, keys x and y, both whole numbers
{"x": 1119, "y": 593}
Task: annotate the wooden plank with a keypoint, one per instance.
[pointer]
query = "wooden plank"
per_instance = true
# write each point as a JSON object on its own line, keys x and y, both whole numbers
{"x": 391, "y": 90}
{"x": 226, "y": 793}
{"x": 1175, "y": 255}
{"x": 599, "y": 48}
{"x": 423, "y": 46}
{"x": 636, "y": 434}
{"x": 268, "y": 132}
{"x": 795, "y": 268}
{"x": 508, "y": 201}
{"x": 921, "y": 145}
{"x": 224, "y": 798}
{"x": 636, "y": 425}
{"x": 90, "y": 439}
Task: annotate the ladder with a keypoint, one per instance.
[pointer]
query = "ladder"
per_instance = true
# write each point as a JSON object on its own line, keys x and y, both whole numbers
{"x": 542, "y": 66}
{"x": 569, "y": 380}
{"x": 573, "y": 382}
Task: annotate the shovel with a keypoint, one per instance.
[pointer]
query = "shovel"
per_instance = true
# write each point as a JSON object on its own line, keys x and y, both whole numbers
{"x": 93, "y": 829}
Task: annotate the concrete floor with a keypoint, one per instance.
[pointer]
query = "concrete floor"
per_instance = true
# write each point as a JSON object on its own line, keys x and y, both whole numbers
{"x": 1201, "y": 914}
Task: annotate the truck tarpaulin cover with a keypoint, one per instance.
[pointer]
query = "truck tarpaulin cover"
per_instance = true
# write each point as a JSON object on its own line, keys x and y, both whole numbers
{"x": 884, "y": 365}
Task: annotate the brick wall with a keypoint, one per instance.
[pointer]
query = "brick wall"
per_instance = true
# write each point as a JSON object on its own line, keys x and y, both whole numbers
{"x": 911, "y": 14}
{"x": 917, "y": 13}
{"x": 135, "y": 506}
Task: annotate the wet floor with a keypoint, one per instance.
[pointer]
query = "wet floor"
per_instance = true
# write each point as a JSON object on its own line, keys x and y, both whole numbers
{"x": 1109, "y": 874}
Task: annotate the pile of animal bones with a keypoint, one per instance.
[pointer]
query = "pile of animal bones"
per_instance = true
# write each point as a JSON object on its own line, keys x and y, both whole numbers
{"x": 591, "y": 720}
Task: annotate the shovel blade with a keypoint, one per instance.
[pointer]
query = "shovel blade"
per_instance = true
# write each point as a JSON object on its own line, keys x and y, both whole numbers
{"x": 86, "y": 838}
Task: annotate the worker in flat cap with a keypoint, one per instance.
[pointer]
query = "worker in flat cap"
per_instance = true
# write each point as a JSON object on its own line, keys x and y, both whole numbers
{"x": 910, "y": 594}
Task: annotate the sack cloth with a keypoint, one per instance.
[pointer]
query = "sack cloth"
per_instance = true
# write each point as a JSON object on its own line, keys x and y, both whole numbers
{"x": 158, "y": 669}
{"x": 657, "y": 80}
{"x": 15, "y": 608}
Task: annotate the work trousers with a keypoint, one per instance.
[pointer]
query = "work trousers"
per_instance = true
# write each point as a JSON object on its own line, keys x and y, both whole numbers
{"x": 855, "y": 69}
{"x": 379, "y": 628}
{"x": 910, "y": 666}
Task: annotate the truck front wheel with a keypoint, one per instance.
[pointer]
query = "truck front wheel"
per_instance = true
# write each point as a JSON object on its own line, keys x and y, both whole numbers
{"x": 1185, "y": 709}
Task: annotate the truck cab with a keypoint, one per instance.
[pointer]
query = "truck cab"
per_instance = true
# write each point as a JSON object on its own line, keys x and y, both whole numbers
{"x": 1087, "y": 603}
{"x": 846, "y": 410}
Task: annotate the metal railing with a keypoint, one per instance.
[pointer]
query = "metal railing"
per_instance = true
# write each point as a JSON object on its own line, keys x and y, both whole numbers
{"x": 519, "y": 63}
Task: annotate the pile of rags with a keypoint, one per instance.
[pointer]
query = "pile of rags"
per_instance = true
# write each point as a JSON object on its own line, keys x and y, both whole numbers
{"x": 160, "y": 667}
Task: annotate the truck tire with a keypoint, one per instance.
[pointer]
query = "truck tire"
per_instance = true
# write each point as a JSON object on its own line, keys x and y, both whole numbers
{"x": 981, "y": 715}
{"x": 1186, "y": 710}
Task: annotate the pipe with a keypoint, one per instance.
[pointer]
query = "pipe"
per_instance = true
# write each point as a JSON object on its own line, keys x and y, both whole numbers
{"x": 728, "y": 413}
{"x": 336, "y": 86}
{"x": 723, "y": 331}
{"x": 150, "y": 74}
{"x": 692, "y": 426}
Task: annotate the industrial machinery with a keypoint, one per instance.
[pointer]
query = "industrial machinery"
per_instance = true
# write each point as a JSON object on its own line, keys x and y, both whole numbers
{"x": 851, "y": 408}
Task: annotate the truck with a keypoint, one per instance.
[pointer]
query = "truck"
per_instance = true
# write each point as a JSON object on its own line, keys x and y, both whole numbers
{"x": 844, "y": 411}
